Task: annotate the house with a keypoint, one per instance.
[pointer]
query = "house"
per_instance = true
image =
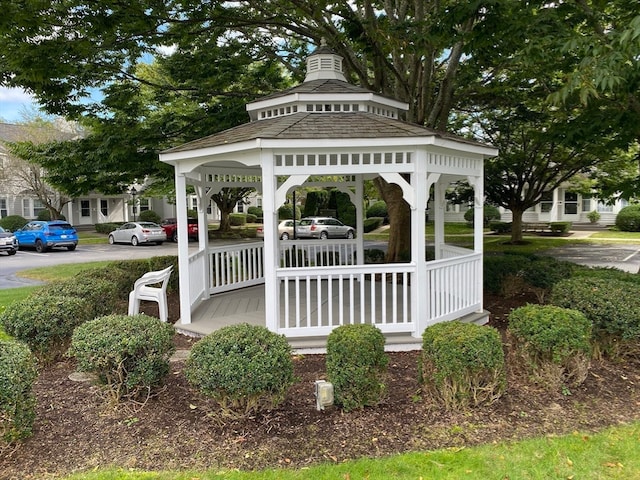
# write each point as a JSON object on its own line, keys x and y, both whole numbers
{"x": 327, "y": 132}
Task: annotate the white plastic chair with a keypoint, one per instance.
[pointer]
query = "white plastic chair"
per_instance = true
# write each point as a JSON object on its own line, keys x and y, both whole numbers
{"x": 143, "y": 291}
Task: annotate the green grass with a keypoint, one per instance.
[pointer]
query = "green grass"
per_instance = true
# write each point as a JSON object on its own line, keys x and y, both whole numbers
{"x": 60, "y": 272}
{"x": 617, "y": 235}
{"x": 611, "y": 454}
{"x": 91, "y": 238}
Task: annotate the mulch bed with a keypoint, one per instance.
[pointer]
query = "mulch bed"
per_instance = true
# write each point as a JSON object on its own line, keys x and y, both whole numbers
{"x": 77, "y": 430}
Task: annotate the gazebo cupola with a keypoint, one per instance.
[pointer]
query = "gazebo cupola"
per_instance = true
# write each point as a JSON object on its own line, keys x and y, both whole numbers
{"x": 326, "y": 133}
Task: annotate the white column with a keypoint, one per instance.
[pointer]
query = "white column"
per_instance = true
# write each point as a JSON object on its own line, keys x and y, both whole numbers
{"x": 419, "y": 282}
{"x": 270, "y": 212}
{"x": 439, "y": 191}
{"x": 183, "y": 249}
{"x": 360, "y": 219}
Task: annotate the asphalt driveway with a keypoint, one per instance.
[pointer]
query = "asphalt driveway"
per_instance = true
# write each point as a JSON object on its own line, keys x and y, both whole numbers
{"x": 623, "y": 257}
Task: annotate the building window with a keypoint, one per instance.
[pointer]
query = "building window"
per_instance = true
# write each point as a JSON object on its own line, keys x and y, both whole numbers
{"x": 3, "y": 208}
{"x": 547, "y": 202}
{"x": 240, "y": 207}
{"x": 586, "y": 204}
{"x": 604, "y": 208}
{"x": 37, "y": 207}
{"x": 85, "y": 208}
{"x": 104, "y": 207}
{"x": 144, "y": 204}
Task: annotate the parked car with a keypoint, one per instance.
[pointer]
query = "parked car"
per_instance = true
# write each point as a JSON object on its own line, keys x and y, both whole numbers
{"x": 323, "y": 227}
{"x": 285, "y": 230}
{"x": 45, "y": 235}
{"x": 136, "y": 233}
{"x": 170, "y": 227}
{"x": 8, "y": 242}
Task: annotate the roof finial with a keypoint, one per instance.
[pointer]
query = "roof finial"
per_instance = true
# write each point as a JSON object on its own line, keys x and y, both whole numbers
{"x": 324, "y": 63}
{"x": 323, "y": 42}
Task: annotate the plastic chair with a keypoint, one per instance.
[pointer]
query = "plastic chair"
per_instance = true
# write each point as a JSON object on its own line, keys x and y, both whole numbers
{"x": 142, "y": 290}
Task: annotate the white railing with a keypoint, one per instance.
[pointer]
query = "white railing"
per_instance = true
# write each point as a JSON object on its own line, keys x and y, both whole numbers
{"x": 452, "y": 251}
{"x": 454, "y": 287}
{"x": 318, "y": 253}
{"x": 196, "y": 276}
{"x": 314, "y": 301}
{"x": 235, "y": 266}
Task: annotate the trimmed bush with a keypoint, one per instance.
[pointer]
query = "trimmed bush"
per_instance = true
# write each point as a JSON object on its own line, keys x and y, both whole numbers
{"x": 499, "y": 271}
{"x": 560, "y": 227}
{"x": 370, "y": 224}
{"x": 613, "y": 306}
{"x": 377, "y": 209}
{"x": 149, "y": 216}
{"x": 237, "y": 219}
{"x": 18, "y": 372}
{"x": 251, "y": 218}
{"x": 245, "y": 368}
{"x": 106, "y": 228}
{"x": 542, "y": 273}
{"x": 129, "y": 354}
{"x": 500, "y": 228}
{"x": 13, "y": 222}
{"x": 356, "y": 365}
{"x": 101, "y": 293}
{"x": 462, "y": 364}
{"x": 593, "y": 216}
{"x": 373, "y": 255}
{"x": 489, "y": 214}
{"x": 46, "y": 322}
{"x": 628, "y": 219}
{"x": 554, "y": 343}
{"x": 285, "y": 212}
{"x": 257, "y": 211}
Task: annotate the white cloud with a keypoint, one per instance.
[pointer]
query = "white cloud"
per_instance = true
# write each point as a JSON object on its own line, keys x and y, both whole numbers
{"x": 14, "y": 95}
{"x": 15, "y": 104}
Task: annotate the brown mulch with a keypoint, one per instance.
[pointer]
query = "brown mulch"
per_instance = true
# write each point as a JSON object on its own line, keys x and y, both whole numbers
{"x": 76, "y": 430}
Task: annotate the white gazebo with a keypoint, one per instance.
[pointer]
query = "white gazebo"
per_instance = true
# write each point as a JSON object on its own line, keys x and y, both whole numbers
{"x": 327, "y": 132}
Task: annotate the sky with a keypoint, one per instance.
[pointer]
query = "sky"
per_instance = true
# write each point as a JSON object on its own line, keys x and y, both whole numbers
{"x": 15, "y": 104}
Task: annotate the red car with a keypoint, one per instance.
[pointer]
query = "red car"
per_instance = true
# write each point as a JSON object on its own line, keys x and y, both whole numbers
{"x": 170, "y": 227}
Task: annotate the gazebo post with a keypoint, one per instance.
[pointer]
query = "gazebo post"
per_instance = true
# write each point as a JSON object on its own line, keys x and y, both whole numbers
{"x": 419, "y": 284}
{"x": 269, "y": 211}
{"x": 360, "y": 219}
{"x": 438, "y": 220}
{"x": 183, "y": 248}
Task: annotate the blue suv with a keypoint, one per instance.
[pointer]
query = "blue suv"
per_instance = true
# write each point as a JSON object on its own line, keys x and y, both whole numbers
{"x": 43, "y": 235}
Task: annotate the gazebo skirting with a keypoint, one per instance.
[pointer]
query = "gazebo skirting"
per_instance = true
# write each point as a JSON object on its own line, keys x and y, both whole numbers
{"x": 320, "y": 287}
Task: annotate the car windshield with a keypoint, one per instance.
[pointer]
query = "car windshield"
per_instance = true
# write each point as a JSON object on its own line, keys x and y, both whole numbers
{"x": 149, "y": 225}
{"x": 1, "y": 230}
{"x": 304, "y": 222}
{"x": 60, "y": 226}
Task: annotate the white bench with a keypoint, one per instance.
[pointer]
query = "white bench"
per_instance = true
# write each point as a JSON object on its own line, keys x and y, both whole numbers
{"x": 143, "y": 290}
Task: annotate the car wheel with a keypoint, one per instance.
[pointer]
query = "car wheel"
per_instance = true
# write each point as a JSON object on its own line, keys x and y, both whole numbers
{"x": 12, "y": 252}
{"x": 174, "y": 237}
{"x": 40, "y": 248}
{"x": 324, "y": 235}
{"x": 71, "y": 248}
{"x": 111, "y": 240}
{"x": 134, "y": 241}
{"x": 158, "y": 243}
{"x": 350, "y": 234}
{"x": 284, "y": 236}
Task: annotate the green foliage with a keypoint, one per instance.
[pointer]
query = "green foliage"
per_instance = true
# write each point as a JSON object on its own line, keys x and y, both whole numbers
{"x": 593, "y": 216}
{"x": 257, "y": 211}
{"x": 251, "y": 218}
{"x": 554, "y": 343}
{"x": 345, "y": 210}
{"x": 107, "y": 228}
{"x": 129, "y": 354}
{"x": 628, "y": 219}
{"x": 489, "y": 214}
{"x": 46, "y": 322}
{"x": 373, "y": 255}
{"x": 128, "y": 271}
{"x": 500, "y": 227}
{"x": 605, "y": 273}
{"x": 542, "y": 273}
{"x": 356, "y": 365}
{"x": 377, "y": 209}
{"x": 245, "y": 368}
{"x": 500, "y": 269}
{"x": 315, "y": 201}
{"x": 101, "y": 293}
{"x": 372, "y": 223}
{"x": 613, "y": 306}
{"x": 149, "y": 216}
{"x": 13, "y": 222}
{"x": 560, "y": 227}
{"x": 237, "y": 219}
{"x": 462, "y": 364}
{"x": 18, "y": 372}
{"x": 285, "y": 212}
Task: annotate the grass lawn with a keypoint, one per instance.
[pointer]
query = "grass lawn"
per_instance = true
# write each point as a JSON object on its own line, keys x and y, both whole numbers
{"x": 611, "y": 454}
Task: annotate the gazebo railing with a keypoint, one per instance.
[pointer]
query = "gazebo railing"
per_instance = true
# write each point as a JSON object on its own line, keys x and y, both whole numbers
{"x": 319, "y": 253}
{"x": 235, "y": 266}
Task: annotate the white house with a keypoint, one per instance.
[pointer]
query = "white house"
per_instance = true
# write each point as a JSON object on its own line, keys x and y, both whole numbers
{"x": 327, "y": 132}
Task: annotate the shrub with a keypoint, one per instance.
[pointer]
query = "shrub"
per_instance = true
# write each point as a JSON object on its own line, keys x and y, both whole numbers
{"x": 489, "y": 214}
{"x": 553, "y": 343}
{"x": 560, "y": 227}
{"x": 373, "y": 255}
{"x": 257, "y": 211}
{"x": 129, "y": 271}
{"x": 245, "y": 368}
{"x": 462, "y": 364}
{"x": 129, "y": 354}
{"x": 628, "y": 219}
{"x": 285, "y": 212}
{"x": 613, "y": 306}
{"x": 377, "y": 209}
{"x": 371, "y": 223}
{"x": 501, "y": 270}
{"x": 46, "y": 322}
{"x": 17, "y": 403}
{"x": 542, "y": 273}
{"x": 593, "y": 216}
{"x": 356, "y": 365}
{"x": 500, "y": 227}
{"x": 13, "y": 222}
{"x": 106, "y": 228}
{"x": 237, "y": 219}
{"x": 101, "y": 293}
{"x": 149, "y": 216}
{"x": 251, "y": 218}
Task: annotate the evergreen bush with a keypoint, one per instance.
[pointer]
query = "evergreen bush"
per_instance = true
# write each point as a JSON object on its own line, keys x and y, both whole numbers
{"x": 554, "y": 343}
{"x": 560, "y": 227}
{"x": 46, "y": 322}
{"x": 377, "y": 209}
{"x": 613, "y": 306}
{"x": 13, "y": 222}
{"x": 101, "y": 293}
{"x": 129, "y": 354}
{"x": 149, "y": 216}
{"x": 489, "y": 214}
{"x": 251, "y": 218}
{"x": 501, "y": 270}
{"x": 356, "y": 365}
{"x": 257, "y": 211}
{"x": 500, "y": 228}
{"x": 106, "y": 228}
{"x": 245, "y": 368}
{"x": 593, "y": 216}
{"x": 372, "y": 223}
{"x": 542, "y": 273}
{"x": 462, "y": 364}
{"x": 18, "y": 372}
{"x": 628, "y": 219}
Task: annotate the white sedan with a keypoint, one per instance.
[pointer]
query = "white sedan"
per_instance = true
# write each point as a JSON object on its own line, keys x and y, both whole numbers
{"x": 136, "y": 233}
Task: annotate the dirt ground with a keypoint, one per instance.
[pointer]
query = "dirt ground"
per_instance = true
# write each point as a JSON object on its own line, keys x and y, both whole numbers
{"x": 76, "y": 430}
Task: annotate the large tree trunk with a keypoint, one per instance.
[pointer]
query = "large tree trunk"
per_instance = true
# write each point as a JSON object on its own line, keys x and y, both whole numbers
{"x": 225, "y": 223}
{"x": 516, "y": 225}
{"x": 399, "y": 247}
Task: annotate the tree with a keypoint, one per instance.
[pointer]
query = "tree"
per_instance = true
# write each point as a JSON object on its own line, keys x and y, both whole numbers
{"x": 226, "y": 200}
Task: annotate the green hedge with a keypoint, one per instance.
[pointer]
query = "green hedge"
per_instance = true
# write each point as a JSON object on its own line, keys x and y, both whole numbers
{"x": 46, "y": 322}
{"x": 500, "y": 270}
{"x": 553, "y": 342}
{"x": 13, "y": 222}
{"x": 356, "y": 365}
{"x": 462, "y": 364}
{"x": 489, "y": 214}
{"x": 370, "y": 224}
{"x": 560, "y": 227}
{"x": 107, "y": 228}
{"x": 245, "y": 368}
{"x": 500, "y": 228}
{"x": 237, "y": 219}
{"x": 377, "y": 209}
{"x": 18, "y": 372}
{"x": 129, "y": 354}
{"x": 101, "y": 293}
{"x": 149, "y": 216}
{"x": 628, "y": 219}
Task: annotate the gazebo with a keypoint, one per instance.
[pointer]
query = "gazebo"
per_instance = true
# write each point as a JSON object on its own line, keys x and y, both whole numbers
{"x": 327, "y": 132}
